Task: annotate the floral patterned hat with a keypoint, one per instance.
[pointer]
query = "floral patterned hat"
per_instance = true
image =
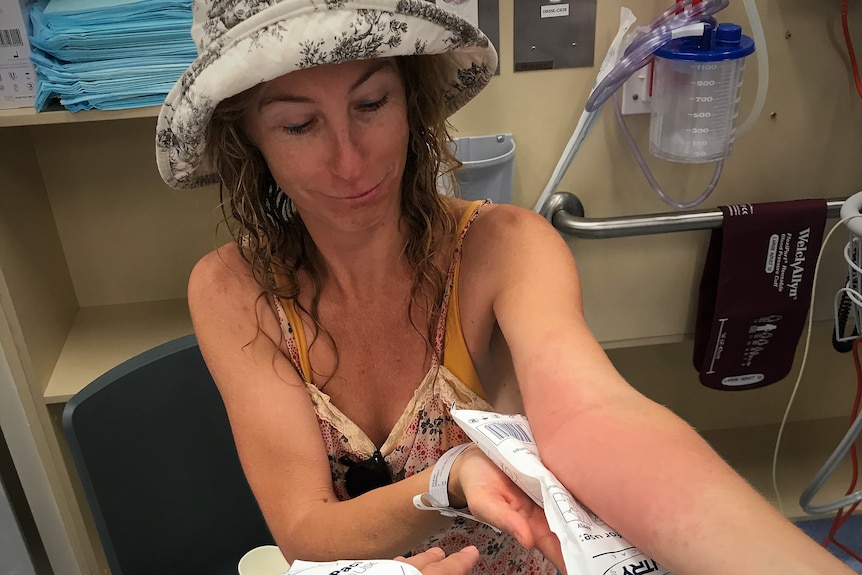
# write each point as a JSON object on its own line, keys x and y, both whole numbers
{"x": 242, "y": 43}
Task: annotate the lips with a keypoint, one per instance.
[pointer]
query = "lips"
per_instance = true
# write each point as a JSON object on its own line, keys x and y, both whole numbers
{"x": 361, "y": 194}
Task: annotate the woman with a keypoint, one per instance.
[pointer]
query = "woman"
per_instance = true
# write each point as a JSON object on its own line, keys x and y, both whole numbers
{"x": 358, "y": 304}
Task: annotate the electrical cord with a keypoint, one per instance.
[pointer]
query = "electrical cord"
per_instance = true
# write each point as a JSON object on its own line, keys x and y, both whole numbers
{"x": 845, "y": 298}
{"x": 796, "y": 389}
{"x": 839, "y": 343}
{"x": 841, "y": 516}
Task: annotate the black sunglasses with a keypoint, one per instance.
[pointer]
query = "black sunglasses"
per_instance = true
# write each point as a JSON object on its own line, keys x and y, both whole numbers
{"x": 361, "y": 477}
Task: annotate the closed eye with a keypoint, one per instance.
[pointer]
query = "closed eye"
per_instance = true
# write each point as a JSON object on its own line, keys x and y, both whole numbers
{"x": 364, "y": 106}
{"x": 297, "y": 129}
{"x": 373, "y": 105}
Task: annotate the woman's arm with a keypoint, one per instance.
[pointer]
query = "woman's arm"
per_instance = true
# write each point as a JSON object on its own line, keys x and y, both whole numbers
{"x": 637, "y": 465}
{"x": 277, "y": 433}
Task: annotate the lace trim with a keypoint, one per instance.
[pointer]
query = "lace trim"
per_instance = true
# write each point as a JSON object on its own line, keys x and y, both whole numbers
{"x": 439, "y": 382}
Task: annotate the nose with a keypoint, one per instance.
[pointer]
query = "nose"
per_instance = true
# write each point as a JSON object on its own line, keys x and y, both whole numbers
{"x": 346, "y": 162}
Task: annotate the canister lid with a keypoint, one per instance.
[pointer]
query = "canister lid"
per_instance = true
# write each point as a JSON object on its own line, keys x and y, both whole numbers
{"x": 727, "y": 42}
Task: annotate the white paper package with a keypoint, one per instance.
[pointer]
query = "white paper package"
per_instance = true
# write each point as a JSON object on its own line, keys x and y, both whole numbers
{"x": 358, "y": 567}
{"x": 590, "y": 547}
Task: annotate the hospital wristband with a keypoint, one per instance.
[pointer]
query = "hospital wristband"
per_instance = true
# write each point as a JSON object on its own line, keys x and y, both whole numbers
{"x": 438, "y": 488}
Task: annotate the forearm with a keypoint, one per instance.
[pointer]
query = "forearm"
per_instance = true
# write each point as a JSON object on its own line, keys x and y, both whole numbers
{"x": 650, "y": 475}
{"x": 382, "y": 523}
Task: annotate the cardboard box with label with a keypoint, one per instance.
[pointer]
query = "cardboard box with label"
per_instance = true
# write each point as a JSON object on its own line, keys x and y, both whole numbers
{"x": 17, "y": 73}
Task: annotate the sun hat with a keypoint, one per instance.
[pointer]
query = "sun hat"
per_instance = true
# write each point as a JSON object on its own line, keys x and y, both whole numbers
{"x": 242, "y": 43}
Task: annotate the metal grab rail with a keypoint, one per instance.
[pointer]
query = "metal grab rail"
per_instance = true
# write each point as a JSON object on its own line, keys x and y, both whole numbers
{"x": 566, "y": 212}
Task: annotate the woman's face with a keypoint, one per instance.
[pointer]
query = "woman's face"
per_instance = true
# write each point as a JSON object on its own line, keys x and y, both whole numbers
{"x": 335, "y": 139}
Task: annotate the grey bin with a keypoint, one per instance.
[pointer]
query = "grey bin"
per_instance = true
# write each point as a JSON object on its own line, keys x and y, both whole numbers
{"x": 488, "y": 168}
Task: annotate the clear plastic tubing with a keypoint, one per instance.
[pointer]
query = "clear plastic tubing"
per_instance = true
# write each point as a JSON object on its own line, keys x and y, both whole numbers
{"x": 759, "y": 37}
{"x": 658, "y": 33}
{"x": 629, "y": 139}
{"x": 665, "y": 28}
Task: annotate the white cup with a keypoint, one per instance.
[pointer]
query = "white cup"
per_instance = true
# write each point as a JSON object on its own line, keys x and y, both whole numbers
{"x": 264, "y": 560}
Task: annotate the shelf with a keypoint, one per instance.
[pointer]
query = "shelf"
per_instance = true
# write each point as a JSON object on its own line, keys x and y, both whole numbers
{"x": 105, "y": 336}
{"x": 30, "y": 117}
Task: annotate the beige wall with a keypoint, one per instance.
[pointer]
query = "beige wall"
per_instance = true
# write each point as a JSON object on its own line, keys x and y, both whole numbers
{"x": 126, "y": 237}
{"x": 641, "y": 292}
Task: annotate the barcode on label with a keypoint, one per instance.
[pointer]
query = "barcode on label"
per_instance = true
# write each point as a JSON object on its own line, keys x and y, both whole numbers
{"x": 10, "y": 37}
{"x": 501, "y": 431}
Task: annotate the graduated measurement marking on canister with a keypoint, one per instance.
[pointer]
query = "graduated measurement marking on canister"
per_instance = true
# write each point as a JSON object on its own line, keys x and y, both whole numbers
{"x": 722, "y": 96}
{"x": 708, "y": 126}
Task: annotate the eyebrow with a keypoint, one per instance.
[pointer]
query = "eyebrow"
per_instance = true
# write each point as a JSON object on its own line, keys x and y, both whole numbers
{"x": 371, "y": 71}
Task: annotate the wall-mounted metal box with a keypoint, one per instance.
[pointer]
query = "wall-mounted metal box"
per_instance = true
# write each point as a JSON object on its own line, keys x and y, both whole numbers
{"x": 554, "y": 34}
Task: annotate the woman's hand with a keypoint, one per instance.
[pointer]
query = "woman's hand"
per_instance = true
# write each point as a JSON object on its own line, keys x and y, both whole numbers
{"x": 475, "y": 481}
{"x": 434, "y": 561}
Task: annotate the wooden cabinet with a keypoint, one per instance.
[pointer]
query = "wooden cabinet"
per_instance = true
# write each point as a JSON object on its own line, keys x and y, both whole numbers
{"x": 94, "y": 255}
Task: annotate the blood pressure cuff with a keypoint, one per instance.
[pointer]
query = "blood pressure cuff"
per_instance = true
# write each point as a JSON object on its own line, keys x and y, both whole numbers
{"x": 755, "y": 292}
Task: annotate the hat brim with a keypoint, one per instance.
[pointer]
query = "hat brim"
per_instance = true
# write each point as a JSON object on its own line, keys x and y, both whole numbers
{"x": 297, "y": 34}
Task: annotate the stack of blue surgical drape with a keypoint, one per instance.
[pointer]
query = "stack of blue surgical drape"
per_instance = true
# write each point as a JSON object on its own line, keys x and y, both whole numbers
{"x": 109, "y": 54}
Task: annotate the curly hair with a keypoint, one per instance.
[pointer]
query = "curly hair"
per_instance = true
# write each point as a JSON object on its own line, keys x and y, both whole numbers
{"x": 271, "y": 234}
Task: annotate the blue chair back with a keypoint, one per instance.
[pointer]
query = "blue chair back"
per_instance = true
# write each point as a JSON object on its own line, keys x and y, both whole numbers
{"x": 153, "y": 448}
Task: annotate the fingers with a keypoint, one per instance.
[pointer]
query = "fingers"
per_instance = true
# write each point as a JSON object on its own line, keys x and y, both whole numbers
{"x": 434, "y": 561}
{"x": 544, "y": 539}
{"x": 459, "y": 563}
{"x": 549, "y": 545}
{"x": 526, "y": 522}
{"x": 495, "y": 499}
{"x": 422, "y": 560}
{"x": 513, "y": 513}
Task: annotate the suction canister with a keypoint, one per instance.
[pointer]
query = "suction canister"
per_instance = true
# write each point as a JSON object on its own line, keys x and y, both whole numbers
{"x": 695, "y": 96}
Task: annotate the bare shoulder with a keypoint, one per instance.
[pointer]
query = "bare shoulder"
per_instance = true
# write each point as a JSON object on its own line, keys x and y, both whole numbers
{"x": 222, "y": 273}
{"x": 222, "y": 264}
{"x": 507, "y": 252}
{"x": 223, "y": 295}
{"x": 508, "y": 233}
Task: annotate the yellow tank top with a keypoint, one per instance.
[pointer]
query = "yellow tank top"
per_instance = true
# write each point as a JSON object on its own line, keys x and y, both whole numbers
{"x": 456, "y": 356}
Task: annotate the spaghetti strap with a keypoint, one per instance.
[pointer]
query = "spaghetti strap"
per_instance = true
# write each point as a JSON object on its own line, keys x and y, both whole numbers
{"x": 469, "y": 217}
{"x": 287, "y": 319}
